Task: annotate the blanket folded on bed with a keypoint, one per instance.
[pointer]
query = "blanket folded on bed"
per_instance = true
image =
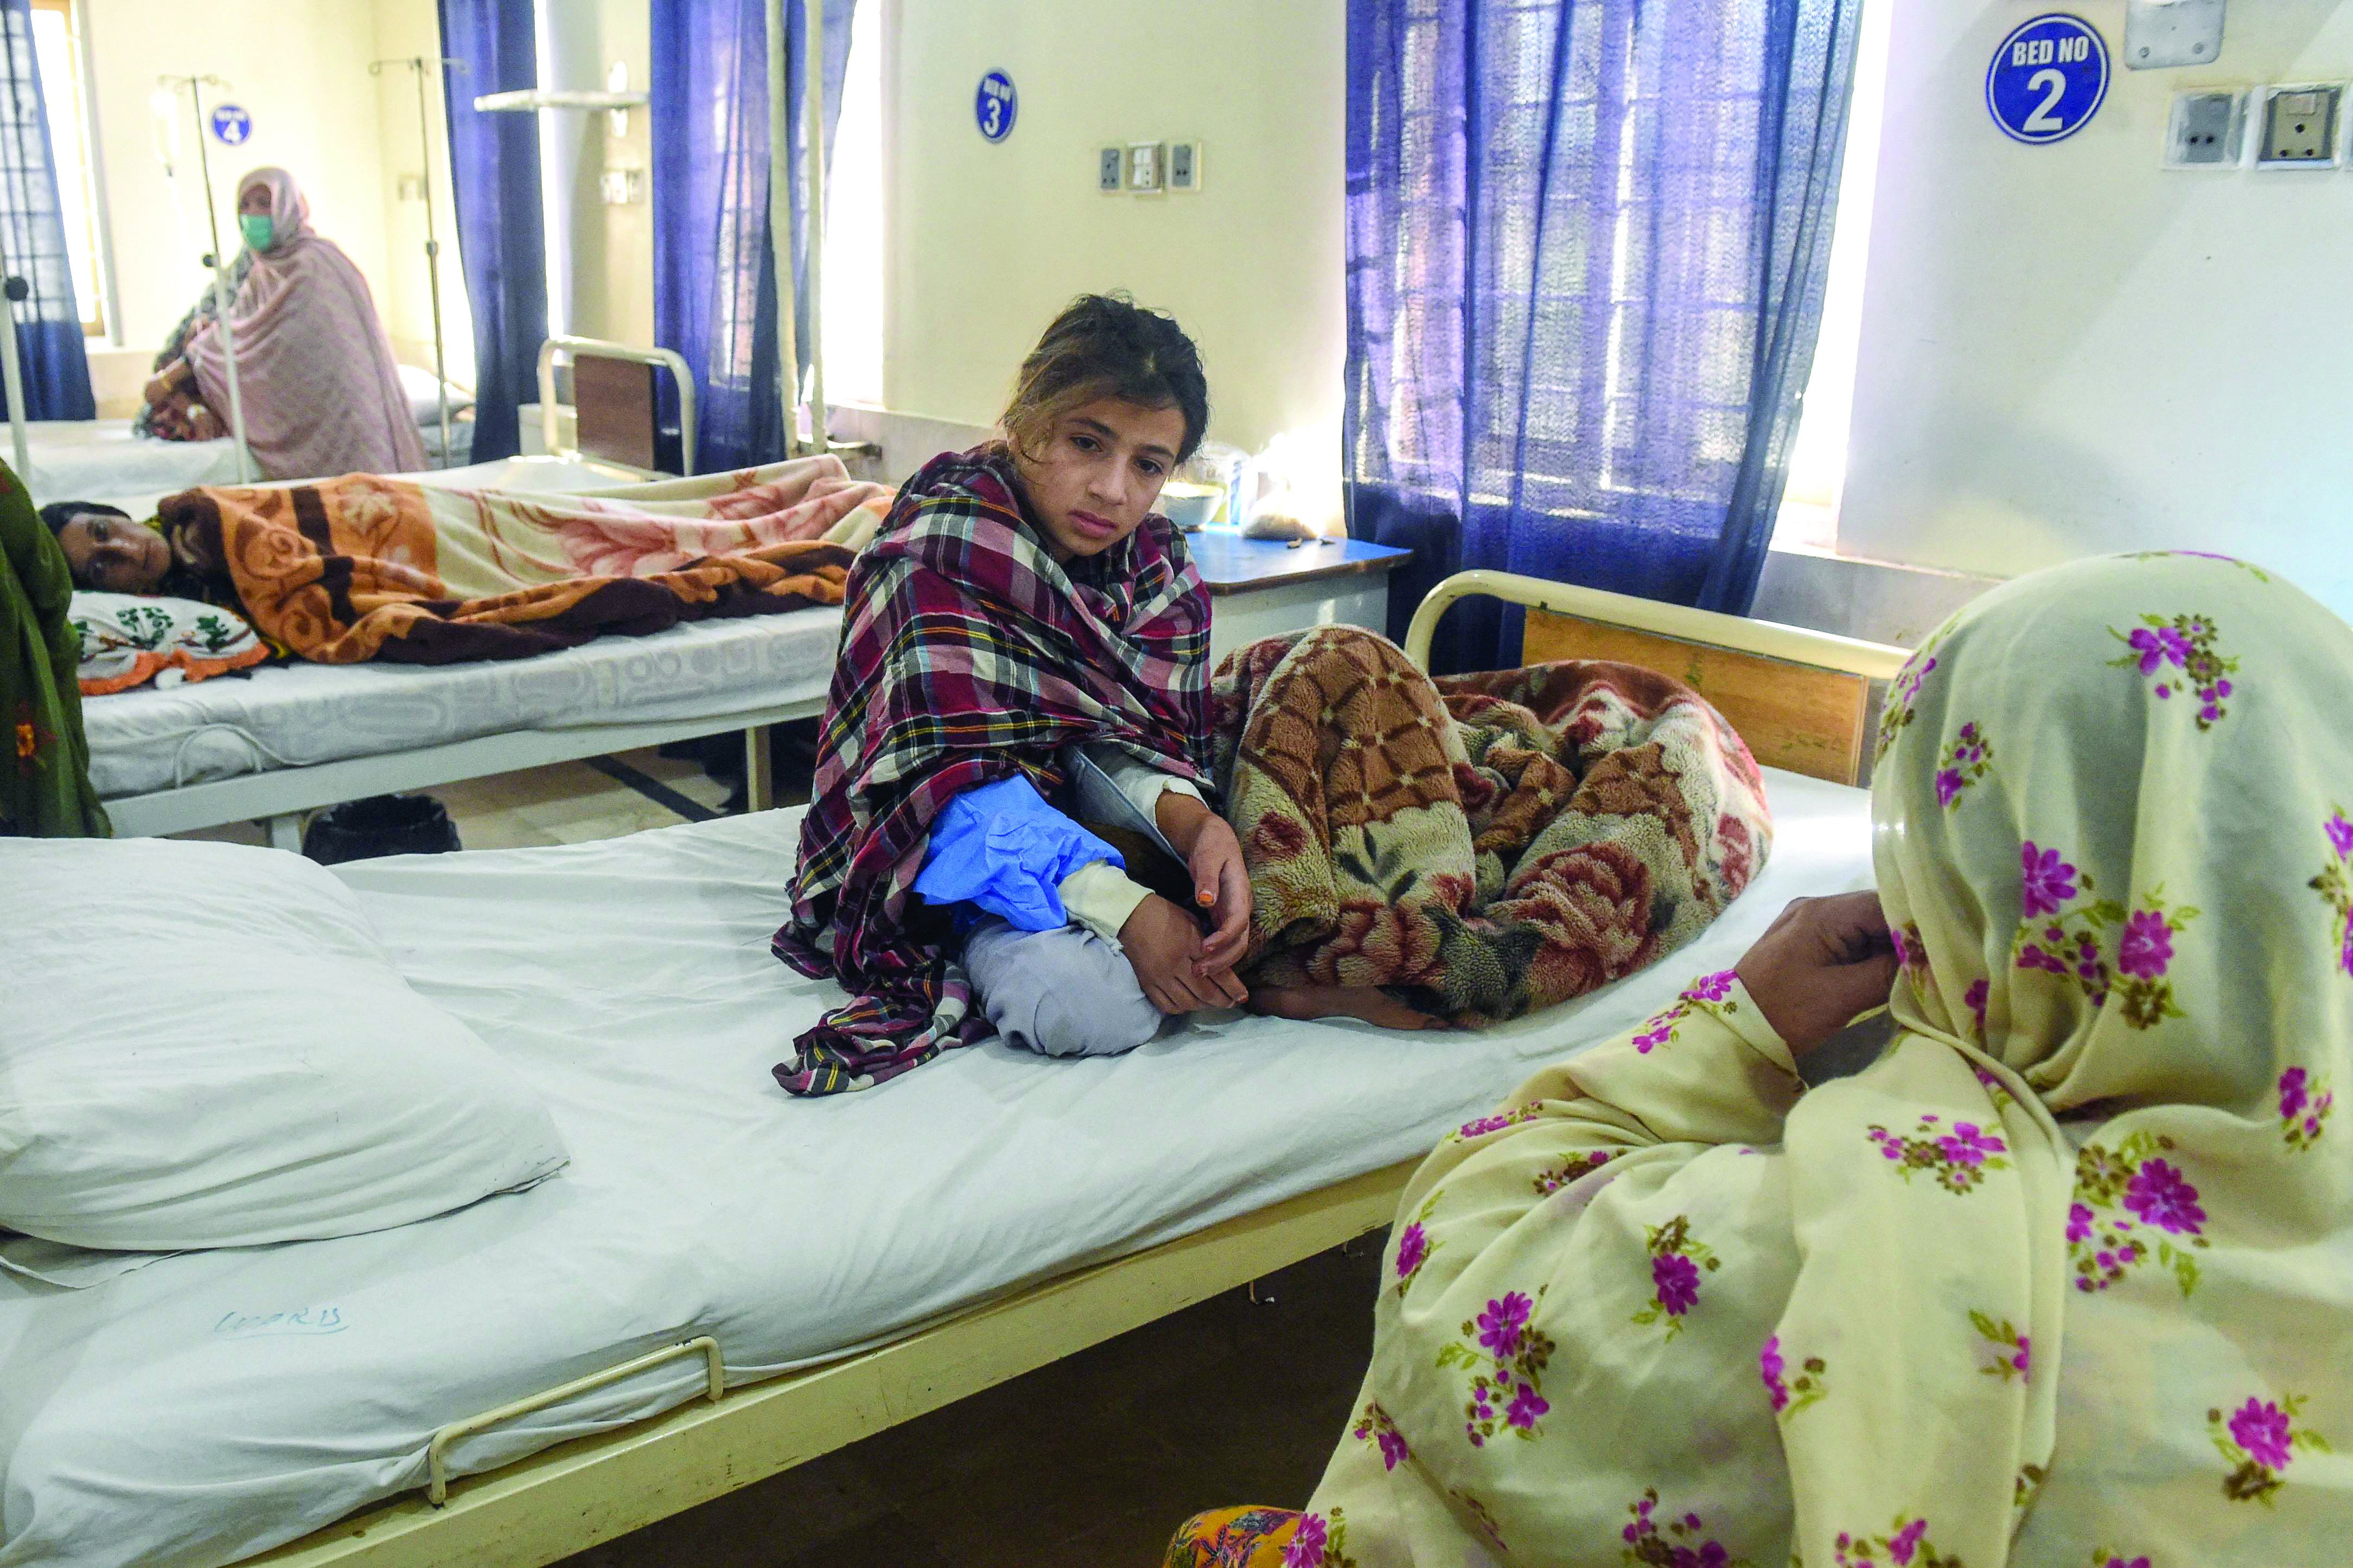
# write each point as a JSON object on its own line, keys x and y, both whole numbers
{"x": 1485, "y": 845}
{"x": 365, "y": 567}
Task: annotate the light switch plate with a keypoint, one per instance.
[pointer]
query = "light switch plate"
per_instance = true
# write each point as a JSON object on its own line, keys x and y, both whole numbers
{"x": 1145, "y": 164}
{"x": 1111, "y": 169}
{"x": 2161, "y": 33}
{"x": 1184, "y": 166}
{"x": 2206, "y": 129}
{"x": 2295, "y": 124}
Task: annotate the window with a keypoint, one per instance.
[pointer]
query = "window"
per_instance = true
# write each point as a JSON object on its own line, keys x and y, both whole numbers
{"x": 855, "y": 258}
{"x": 1817, "y": 474}
{"x": 57, "y": 49}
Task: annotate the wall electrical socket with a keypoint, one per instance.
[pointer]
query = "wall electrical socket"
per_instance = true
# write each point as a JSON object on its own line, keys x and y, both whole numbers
{"x": 1146, "y": 166}
{"x": 2162, "y": 32}
{"x": 2297, "y": 124}
{"x": 1184, "y": 166}
{"x": 2205, "y": 129}
{"x": 622, "y": 187}
{"x": 1111, "y": 169}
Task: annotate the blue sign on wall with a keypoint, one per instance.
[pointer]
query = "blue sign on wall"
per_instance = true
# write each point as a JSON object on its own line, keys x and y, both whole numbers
{"x": 2048, "y": 79}
{"x": 231, "y": 124}
{"x": 993, "y": 106}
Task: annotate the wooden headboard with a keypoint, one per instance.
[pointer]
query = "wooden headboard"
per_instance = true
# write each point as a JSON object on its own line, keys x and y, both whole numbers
{"x": 1802, "y": 699}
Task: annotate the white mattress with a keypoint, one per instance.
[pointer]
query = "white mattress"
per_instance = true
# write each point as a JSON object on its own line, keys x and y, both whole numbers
{"x": 101, "y": 460}
{"x": 295, "y": 715}
{"x": 181, "y": 1415}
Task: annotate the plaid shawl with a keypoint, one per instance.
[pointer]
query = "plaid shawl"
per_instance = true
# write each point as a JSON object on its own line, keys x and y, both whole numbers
{"x": 968, "y": 655}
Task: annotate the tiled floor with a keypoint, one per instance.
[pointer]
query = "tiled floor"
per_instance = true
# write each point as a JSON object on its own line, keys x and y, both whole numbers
{"x": 1090, "y": 1462}
{"x": 564, "y": 803}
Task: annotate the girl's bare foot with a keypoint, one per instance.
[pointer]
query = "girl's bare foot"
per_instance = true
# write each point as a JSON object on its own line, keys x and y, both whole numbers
{"x": 1368, "y": 1003}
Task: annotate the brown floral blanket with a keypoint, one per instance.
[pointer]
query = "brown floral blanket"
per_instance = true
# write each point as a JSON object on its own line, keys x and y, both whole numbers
{"x": 1481, "y": 846}
{"x": 366, "y": 567}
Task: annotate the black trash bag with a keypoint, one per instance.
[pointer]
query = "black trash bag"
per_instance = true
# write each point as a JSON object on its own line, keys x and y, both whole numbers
{"x": 380, "y": 825}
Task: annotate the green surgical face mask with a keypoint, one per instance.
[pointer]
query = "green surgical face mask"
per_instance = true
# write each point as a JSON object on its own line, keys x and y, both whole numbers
{"x": 258, "y": 231}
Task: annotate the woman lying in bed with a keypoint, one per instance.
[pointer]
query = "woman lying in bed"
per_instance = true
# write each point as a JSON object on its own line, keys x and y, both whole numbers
{"x": 366, "y": 567}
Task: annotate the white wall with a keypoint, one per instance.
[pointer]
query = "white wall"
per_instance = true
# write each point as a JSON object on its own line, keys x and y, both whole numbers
{"x": 300, "y": 66}
{"x": 2067, "y": 351}
{"x": 604, "y": 287}
{"x": 987, "y": 241}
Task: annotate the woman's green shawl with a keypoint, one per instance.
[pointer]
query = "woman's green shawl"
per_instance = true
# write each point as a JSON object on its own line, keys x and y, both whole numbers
{"x": 44, "y": 789}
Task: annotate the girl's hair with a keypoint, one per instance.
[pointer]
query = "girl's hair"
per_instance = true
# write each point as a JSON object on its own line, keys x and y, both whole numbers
{"x": 1108, "y": 346}
{"x": 58, "y": 513}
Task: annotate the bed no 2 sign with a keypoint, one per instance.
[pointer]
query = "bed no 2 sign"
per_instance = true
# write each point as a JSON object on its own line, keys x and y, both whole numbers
{"x": 992, "y": 107}
{"x": 2047, "y": 79}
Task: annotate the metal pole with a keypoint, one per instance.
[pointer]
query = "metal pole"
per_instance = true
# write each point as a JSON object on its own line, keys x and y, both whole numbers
{"x": 221, "y": 295}
{"x": 12, "y": 374}
{"x": 780, "y": 224}
{"x": 813, "y": 136}
{"x": 417, "y": 63}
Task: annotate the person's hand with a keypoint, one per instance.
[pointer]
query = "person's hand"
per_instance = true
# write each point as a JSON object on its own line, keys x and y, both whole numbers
{"x": 1221, "y": 881}
{"x": 204, "y": 425}
{"x": 1164, "y": 947}
{"x": 166, "y": 382}
{"x": 1823, "y": 964}
{"x": 1222, "y": 886}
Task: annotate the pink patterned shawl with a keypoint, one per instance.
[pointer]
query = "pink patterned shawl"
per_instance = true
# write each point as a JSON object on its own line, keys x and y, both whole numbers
{"x": 314, "y": 365}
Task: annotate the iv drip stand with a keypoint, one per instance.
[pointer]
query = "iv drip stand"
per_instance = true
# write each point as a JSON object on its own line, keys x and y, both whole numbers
{"x": 417, "y": 63}
{"x": 222, "y": 299}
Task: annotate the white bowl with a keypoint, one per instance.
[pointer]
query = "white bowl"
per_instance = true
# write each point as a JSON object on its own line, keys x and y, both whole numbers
{"x": 1190, "y": 506}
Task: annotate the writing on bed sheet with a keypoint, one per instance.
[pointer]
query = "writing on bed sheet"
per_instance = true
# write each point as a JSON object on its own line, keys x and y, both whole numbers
{"x": 306, "y": 1320}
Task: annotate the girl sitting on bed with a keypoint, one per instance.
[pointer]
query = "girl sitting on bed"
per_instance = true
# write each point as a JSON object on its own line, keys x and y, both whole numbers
{"x": 1022, "y": 615}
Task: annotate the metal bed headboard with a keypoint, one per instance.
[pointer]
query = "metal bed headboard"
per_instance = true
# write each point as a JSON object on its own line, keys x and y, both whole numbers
{"x": 596, "y": 348}
{"x": 1802, "y": 699}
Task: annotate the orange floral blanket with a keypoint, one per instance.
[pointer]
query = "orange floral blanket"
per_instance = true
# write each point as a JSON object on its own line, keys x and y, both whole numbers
{"x": 1481, "y": 846}
{"x": 365, "y": 567}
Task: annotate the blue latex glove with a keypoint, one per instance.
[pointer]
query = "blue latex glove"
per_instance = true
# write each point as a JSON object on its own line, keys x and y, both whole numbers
{"x": 1002, "y": 848}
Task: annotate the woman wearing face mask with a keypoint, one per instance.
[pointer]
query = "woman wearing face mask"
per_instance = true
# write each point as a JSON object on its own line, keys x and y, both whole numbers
{"x": 316, "y": 371}
{"x": 1023, "y": 603}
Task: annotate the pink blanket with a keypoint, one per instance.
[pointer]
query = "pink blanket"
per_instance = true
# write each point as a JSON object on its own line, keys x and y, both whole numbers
{"x": 314, "y": 367}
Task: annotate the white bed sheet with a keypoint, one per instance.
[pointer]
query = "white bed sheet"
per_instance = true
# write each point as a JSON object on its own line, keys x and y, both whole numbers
{"x": 213, "y": 1404}
{"x": 101, "y": 460}
{"x": 287, "y": 716}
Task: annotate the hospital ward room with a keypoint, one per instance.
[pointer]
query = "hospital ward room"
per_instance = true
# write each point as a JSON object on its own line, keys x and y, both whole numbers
{"x": 1211, "y": 783}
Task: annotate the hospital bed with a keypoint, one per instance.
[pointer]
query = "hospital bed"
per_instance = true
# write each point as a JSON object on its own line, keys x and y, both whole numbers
{"x": 724, "y": 1284}
{"x": 287, "y": 739}
{"x": 100, "y": 461}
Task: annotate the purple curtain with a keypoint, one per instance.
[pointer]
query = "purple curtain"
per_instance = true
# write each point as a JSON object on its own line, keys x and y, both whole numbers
{"x": 501, "y": 243}
{"x": 714, "y": 272}
{"x": 33, "y": 237}
{"x": 1586, "y": 245}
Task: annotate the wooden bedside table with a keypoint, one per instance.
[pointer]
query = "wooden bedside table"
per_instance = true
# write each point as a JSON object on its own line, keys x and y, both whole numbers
{"x": 1261, "y": 586}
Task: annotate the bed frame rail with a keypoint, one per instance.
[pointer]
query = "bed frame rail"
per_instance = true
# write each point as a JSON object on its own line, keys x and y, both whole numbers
{"x": 576, "y": 1494}
{"x": 1802, "y": 699}
{"x": 626, "y": 408}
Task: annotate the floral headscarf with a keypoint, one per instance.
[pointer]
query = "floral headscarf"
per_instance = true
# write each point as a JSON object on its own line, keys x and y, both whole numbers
{"x": 2063, "y": 1278}
{"x": 2111, "y": 835}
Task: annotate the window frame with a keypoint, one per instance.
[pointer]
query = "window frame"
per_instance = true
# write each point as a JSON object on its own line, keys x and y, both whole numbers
{"x": 95, "y": 316}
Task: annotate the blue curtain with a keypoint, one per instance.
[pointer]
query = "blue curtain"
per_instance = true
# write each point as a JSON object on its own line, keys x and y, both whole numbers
{"x": 714, "y": 273}
{"x": 33, "y": 235}
{"x": 502, "y": 243}
{"x": 1586, "y": 245}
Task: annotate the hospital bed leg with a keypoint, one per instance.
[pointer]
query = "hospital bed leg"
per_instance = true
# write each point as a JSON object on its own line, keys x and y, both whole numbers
{"x": 286, "y": 831}
{"x": 759, "y": 780}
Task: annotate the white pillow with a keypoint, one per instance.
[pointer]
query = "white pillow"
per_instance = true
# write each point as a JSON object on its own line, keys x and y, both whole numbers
{"x": 206, "y": 1044}
{"x": 424, "y": 395}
